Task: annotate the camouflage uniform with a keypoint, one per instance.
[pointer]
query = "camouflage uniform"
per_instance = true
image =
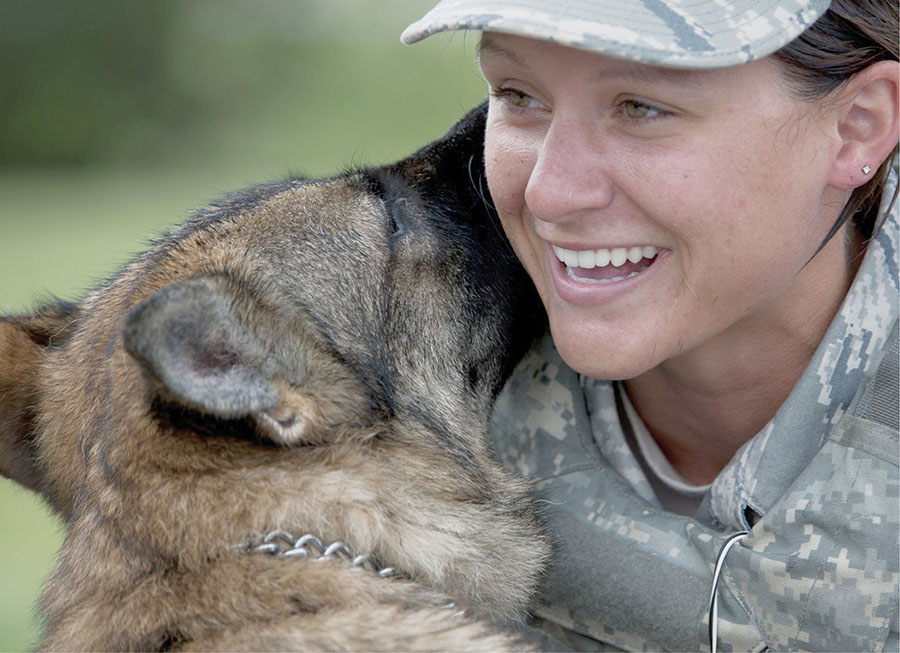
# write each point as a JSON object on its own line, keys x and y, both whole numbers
{"x": 817, "y": 489}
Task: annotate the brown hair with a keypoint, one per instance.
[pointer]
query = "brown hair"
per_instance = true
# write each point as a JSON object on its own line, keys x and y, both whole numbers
{"x": 849, "y": 37}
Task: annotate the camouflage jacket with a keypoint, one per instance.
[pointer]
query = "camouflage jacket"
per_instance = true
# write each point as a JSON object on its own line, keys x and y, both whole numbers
{"x": 819, "y": 569}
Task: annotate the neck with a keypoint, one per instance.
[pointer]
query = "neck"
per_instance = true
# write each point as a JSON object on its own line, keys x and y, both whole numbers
{"x": 704, "y": 404}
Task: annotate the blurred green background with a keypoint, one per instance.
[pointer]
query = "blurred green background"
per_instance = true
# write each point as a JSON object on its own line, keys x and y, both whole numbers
{"x": 117, "y": 117}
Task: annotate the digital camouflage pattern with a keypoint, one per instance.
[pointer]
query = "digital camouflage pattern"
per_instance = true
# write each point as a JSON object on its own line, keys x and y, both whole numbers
{"x": 675, "y": 33}
{"x": 817, "y": 488}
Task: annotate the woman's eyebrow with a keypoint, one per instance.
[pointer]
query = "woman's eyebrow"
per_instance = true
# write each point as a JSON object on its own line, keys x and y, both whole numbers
{"x": 488, "y": 48}
{"x": 688, "y": 79}
{"x": 657, "y": 74}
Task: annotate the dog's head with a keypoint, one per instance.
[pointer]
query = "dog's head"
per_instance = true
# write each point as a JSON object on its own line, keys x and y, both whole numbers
{"x": 292, "y": 310}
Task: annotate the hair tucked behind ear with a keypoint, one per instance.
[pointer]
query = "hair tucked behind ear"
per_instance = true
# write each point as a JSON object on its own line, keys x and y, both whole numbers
{"x": 849, "y": 37}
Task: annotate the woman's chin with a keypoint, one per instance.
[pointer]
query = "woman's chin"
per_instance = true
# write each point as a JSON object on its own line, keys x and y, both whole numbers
{"x": 600, "y": 356}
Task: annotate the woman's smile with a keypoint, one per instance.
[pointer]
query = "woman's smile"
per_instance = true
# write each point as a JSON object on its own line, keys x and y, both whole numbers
{"x": 594, "y": 276}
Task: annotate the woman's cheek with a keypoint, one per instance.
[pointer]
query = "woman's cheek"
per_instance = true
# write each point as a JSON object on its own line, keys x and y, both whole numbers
{"x": 509, "y": 155}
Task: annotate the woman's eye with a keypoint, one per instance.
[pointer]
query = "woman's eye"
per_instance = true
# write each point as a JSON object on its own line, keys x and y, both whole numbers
{"x": 517, "y": 99}
{"x": 521, "y": 100}
{"x": 639, "y": 111}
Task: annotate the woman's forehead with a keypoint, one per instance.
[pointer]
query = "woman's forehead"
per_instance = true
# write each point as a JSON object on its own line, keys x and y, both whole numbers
{"x": 523, "y": 52}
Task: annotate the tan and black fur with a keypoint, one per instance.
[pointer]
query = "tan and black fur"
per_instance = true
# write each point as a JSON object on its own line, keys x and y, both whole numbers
{"x": 314, "y": 356}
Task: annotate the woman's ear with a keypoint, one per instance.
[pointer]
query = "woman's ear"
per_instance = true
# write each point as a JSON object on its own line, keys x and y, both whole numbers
{"x": 867, "y": 114}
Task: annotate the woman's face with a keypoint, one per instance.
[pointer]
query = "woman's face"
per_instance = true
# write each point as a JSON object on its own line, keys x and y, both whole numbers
{"x": 658, "y": 212}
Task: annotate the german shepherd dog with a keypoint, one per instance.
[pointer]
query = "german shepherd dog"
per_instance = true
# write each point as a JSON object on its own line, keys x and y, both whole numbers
{"x": 306, "y": 358}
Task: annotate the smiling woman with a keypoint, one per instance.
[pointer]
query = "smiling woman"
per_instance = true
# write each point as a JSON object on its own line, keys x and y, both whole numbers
{"x": 702, "y": 195}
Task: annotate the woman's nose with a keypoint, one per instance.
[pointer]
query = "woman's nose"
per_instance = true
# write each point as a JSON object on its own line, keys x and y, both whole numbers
{"x": 569, "y": 179}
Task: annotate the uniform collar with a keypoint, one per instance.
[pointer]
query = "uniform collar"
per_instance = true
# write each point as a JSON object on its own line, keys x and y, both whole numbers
{"x": 765, "y": 467}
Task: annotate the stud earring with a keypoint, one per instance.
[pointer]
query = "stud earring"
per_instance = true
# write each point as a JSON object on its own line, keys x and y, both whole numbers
{"x": 866, "y": 169}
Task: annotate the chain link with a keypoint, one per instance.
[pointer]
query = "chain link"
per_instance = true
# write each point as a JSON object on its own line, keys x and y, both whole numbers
{"x": 281, "y": 544}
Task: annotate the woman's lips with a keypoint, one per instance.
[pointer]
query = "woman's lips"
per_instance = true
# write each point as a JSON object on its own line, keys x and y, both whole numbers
{"x": 596, "y": 275}
{"x": 606, "y": 265}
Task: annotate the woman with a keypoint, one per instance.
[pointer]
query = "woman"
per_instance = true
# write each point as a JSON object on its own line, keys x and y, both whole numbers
{"x": 700, "y": 192}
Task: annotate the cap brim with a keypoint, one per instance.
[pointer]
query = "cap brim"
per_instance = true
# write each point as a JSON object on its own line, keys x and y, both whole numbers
{"x": 689, "y": 34}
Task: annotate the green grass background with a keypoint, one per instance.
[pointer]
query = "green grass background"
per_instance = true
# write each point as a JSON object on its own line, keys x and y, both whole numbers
{"x": 313, "y": 87}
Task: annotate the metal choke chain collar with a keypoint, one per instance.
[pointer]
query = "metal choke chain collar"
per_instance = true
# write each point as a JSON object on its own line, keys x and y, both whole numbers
{"x": 281, "y": 544}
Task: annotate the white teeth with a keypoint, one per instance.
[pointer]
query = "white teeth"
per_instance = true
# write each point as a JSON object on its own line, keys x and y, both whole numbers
{"x": 586, "y": 259}
{"x": 618, "y": 256}
{"x": 590, "y": 258}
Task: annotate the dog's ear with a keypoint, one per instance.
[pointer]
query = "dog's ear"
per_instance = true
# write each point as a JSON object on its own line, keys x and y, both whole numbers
{"x": 192, "y": 340}
{"x": 24, "y": 341}
{"x": 189, "y": 336}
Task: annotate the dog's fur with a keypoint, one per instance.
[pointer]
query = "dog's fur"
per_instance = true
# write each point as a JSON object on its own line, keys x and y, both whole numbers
{"x": 314, "y": 356}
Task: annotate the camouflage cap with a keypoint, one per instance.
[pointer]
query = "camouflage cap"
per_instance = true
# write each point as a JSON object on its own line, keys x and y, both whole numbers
{"x": 672, "y": 33}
